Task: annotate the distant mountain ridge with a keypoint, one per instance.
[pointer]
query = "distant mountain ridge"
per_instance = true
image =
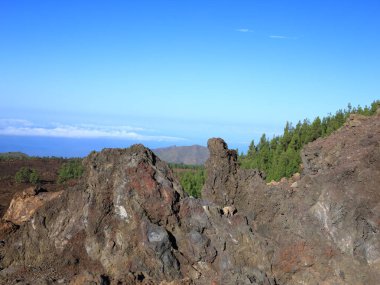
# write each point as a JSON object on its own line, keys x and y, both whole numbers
{"x": 194, "y": 154}
{"x": 13, "y": 155}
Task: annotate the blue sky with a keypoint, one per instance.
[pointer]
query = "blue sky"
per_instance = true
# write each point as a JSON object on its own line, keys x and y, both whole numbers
{"x": 178, "y": 72}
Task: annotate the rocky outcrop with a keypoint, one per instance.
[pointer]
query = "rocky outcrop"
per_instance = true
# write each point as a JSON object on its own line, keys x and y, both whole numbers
{"x": 226, "y": 184}
{"x": 222, "y": 178}
{"x": 128, "y": 221}
{"x": 115, "y": 223}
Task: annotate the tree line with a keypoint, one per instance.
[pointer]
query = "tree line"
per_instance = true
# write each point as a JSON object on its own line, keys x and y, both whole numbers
{"x": 280, "y": 156}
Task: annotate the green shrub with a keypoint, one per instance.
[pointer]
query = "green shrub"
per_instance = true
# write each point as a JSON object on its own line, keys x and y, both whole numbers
{"x": 27, "y": 175}
{"x": 70, "y": 170}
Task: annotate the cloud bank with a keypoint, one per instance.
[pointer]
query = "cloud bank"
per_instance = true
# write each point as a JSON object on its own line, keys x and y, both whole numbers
{"x": 17, "y": 127}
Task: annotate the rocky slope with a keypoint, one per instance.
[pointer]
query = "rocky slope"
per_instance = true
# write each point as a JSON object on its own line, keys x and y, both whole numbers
{"x": 129, "y": 222}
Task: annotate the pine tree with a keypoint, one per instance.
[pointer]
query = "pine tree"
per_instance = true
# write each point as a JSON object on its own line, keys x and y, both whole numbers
{"x": 252, "y": 149}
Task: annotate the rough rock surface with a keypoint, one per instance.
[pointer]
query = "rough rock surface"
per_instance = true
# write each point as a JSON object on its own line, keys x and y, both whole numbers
{"x": 129, "y": 222}
{"x": 25, "y": 204}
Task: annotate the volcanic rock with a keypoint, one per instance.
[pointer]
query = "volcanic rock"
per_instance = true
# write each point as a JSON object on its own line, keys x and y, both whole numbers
{"x": 111, "y": 224}
{"x": 128, "y": 221}
{"x": 222, "y": 178}
{"x": 226, "y": 183}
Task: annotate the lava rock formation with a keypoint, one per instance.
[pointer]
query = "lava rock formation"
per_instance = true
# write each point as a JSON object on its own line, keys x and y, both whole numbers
{"x": 128, "y": 221}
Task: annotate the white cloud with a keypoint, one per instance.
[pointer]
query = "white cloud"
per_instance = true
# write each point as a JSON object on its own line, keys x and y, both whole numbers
{"x": 278, "y": 37}
{"x": 244, "y": 30}
{"x": 26, "y": 128}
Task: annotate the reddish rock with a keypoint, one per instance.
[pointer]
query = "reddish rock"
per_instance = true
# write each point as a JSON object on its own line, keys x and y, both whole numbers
{"x": 291, "y": 258}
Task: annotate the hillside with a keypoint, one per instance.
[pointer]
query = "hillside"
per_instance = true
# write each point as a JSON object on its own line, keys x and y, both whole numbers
{"x": 192, "y": 155}
{"x": 128, "y": 221}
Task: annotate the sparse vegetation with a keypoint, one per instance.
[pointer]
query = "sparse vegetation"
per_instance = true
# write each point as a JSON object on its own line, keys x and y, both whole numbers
{"x": 280, "y": 156}
{"x": 70, "y": 170}
{"x": 27, "y": 175}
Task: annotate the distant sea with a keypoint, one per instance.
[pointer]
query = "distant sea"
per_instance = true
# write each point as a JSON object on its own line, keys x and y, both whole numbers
{"x": 65, "y": 147}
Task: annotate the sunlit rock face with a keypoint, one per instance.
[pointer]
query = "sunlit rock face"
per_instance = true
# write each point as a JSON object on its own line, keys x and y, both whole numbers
{"x": 25, "y": 204}
{"x": 128, "y": 221}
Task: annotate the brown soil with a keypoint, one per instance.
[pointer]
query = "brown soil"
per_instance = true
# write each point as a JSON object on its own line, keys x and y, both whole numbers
{"x": 47, "y": 168}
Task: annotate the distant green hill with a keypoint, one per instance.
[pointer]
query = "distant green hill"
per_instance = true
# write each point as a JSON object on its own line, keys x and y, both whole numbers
{"x": 194, "y": 155}
{"x": 13, "y": 155}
